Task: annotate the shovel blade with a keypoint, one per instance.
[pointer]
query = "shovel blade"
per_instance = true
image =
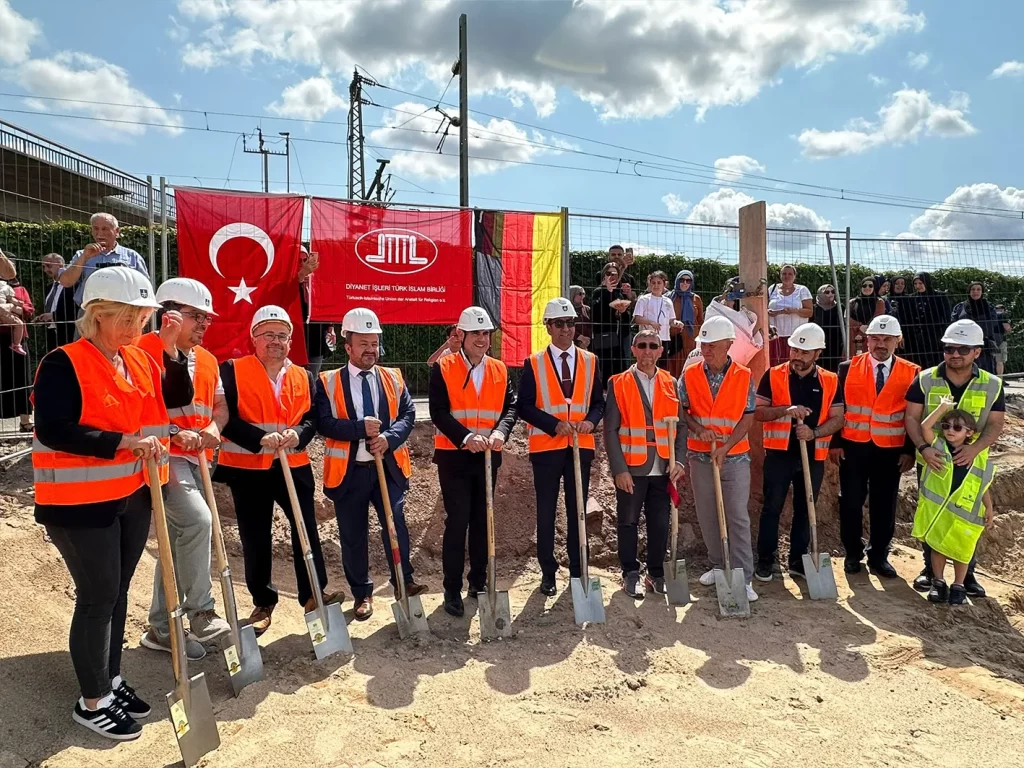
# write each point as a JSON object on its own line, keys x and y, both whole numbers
{"x": 587, "y": 605}
{"x": 677, "y": 587}
{"x": 245, "y": 664}
{"x": 821, "y": 581}
{"x": 732, "y": 593}
{"x": 495, "y": 616}
{"x": 412, "y": 622}
{"x": 329, "y": 632}
{"x": 192, "y": 717}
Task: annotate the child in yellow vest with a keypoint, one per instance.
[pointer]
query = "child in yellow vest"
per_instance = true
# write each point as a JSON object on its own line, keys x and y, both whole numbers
{"x": 950, "y": 516}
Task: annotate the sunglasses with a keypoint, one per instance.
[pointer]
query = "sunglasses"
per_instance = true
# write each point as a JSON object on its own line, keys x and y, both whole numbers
{"x": 647, "y": 345}
{"x": 867, "y": 285}
{"x": 950, "y": 349}
{"x": 828, "y": 292}
{"x": 564, "y": 323}
{"x": 956, "y": 428}
{"x": 685, "y": 280}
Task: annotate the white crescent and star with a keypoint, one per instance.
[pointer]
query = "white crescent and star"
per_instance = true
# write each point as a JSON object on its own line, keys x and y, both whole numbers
{"x": 251, "y": 232}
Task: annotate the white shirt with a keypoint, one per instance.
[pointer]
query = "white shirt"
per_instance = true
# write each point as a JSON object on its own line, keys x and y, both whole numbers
{"x": 886, "y": 368}
{"x": 218, "y": 390}
{"x": 277, "y": 383}
{"x": 658, "y": 309}
{"x": 556, "y": 355}
{"x": 476, "y": 373}
{"x": 356, "y": 385}
{"x": 786, "y": 324}
{"x": 647, "y": 383}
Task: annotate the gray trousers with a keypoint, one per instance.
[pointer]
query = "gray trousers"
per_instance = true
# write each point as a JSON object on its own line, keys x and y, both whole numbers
{"x": 189, "y": 525}
{"x": 735, "y": 495}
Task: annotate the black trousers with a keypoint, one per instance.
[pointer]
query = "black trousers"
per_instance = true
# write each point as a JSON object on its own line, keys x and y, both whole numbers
{"x": 872, "y": 474}
{"x": 254, "y": 493}
{"x": 547, "y": 476}
{"x": 927, "y": 551}
{"x": 461, "y": 475}
{"x": 650, "y": 494}
{"x": 102, "y": 562}
{"x": 783, "y": 469}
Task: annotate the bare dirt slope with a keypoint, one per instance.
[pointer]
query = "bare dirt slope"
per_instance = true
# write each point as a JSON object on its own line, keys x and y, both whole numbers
{"x": 879, "y": 679}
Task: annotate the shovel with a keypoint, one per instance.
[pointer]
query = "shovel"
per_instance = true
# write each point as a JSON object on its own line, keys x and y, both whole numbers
{"x": 409, "y": 614}
{"x": 587, "y": 600}
{"x": 730, "y": 583}
{"x": 245, "y": 664}
{"x": 677, "y": 588}
{"x": 494, "y": 610}
{"x": 189, "y": 702}
{"x": 821, "y": 581}
{"x": 325, "y": 623}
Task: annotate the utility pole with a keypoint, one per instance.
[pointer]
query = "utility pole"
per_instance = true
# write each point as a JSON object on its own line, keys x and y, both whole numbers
{"x": 377, "y": 185}
{"x": 287, "y": 160}
{"x": 356, "y": 163}
{"x": 463, "y": 117}
{"x": 262, "y": 150}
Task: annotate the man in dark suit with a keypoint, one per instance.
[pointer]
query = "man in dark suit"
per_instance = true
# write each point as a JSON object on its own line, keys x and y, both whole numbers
{"x": 59, "y": 310}
{"x": 365, "y": 411}
{"x": 560, "y": 394}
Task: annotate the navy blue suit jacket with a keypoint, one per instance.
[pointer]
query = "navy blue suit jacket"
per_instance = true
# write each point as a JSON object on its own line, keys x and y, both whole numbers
{"x": 352, "y": 430}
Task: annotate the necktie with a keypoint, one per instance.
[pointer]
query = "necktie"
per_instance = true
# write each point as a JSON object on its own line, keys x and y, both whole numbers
{"x": 566, "y": 376}
{"x": 367, "y": 395}
{"x": 880, "y": 378}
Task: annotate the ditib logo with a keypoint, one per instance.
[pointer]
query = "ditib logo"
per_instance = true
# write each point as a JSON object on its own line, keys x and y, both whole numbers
{"x": 396, "y": 251}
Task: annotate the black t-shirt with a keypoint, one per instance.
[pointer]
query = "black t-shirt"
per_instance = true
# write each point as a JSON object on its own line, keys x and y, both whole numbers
{"x": 803, "y": 390}
{"x": 916, "y": 394}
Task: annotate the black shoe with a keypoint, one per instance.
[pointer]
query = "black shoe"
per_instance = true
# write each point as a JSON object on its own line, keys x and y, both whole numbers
{"x": 110, "y": 722}
{"x": 129, "y": 701}
{"x": 547, "y": 586}
{"x": 939, "y": 592}
{"x": 477, "y": 590}
{"x": 776, "y": 568}
{"x": 957, "y": 594}
{"x": 453, "y": 604}
{"x": 883, "y": 568}
{"x": 972, "y": 587}
{"x": 924, "y": 580}
{"x": 655, "y": 584}
{"x": 763, "y": 572}
{"x": 632, "y": 587}
{"x": 797, "y": 569}
{"x": 851, "y": 566}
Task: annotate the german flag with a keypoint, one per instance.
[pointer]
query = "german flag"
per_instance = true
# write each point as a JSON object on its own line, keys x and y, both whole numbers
{"x": 518, "y": 271}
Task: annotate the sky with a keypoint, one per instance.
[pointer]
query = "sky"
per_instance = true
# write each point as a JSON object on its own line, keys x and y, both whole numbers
{"x": 679, "y": 110}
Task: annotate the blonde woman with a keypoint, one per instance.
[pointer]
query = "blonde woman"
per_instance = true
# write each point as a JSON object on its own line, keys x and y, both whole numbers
{"x": 101, "y": 411}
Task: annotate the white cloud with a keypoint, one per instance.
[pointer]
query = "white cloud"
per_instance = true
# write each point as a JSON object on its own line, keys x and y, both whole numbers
{"x": 723, "y": 205}
{"x": 1009, "y": 69}
{"x": 628, "y": 59}
{"x": 938, "y": 223}
{"x": 909, "y": 114}
{"x": 730, "y": 169}
{"x": 16, "y": 34}
{"x": 70, "y": 75}
{"x": 917, "y": 60}
{"x": 877, "y": 81}
{"x": 676, "y": 205}
{"x": 311, "y": 99}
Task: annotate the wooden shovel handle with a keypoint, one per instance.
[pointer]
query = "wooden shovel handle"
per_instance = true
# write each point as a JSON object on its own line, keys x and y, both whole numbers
{"x": 812, "y": 516}
{"x": 163, "y": 540}
{"x": 293, "y": 500}
{"x": 220, "y": 551}
{"x": 489, "y": 495}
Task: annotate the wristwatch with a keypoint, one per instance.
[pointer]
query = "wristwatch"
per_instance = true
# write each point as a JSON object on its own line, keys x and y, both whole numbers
{"x": 174, "y": 429}
{"x": 922, "y": 446}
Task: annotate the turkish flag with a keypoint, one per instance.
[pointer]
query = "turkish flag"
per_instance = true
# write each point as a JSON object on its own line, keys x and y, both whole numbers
{"x": 245, "y": 249}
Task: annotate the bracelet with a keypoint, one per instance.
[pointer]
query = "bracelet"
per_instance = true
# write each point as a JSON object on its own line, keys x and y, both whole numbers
{"x": 922, "y": 446}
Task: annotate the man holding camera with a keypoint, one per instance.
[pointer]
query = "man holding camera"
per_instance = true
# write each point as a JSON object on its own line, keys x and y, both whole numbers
{"x": 104, "y": 251}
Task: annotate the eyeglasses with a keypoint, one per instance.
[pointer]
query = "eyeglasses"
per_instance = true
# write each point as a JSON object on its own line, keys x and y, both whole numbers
{"x": 647, "y": 345}
{"x": 199, "y": 318}
{"x": 950, "y": 349}
{"x": 271, "y": 337}
{"x": 564, "y": 323}
{"x": 950, "y": 427}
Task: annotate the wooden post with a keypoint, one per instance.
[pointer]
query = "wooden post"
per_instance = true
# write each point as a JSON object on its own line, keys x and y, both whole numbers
{"x": 754, "y": 269}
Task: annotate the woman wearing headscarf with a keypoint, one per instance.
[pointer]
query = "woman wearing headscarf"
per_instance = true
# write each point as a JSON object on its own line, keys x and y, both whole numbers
{"x": 978, "y": 309}
{"x": 609, "y": 313}
{"x": 924, "y": 317}
{"x": 882, "y": 287}
{"x": 689, "y": 311}
{"x": 862, "y": 309}
{"x": 897, "y": 294}
{"x": 826, "y": 315}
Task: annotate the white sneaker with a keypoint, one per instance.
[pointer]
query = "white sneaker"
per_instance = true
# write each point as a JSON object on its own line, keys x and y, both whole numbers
{"x": 751, "y": 594}
{"x": 708, "y": 578}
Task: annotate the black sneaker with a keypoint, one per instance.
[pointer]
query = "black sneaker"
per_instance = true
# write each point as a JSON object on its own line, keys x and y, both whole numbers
{"x": 776, "y": 567}
{"x": 473, "y": 591}
{"x": 852, "y": 566}
{"x": 631, "y": 585}
{"x": 548, "y": 586}
{"x": 973, "y": 588}
{"x": 957, "y": 594}
{"x": 129, "y": 701}
{"x": 763, "y": 572}
{"x": 453, "y": 604}
{"x": 939, "y": 592}
{"x": 924, "y": 580}
{"x": 110, "y": 722}
{"x": 797, "y": 569}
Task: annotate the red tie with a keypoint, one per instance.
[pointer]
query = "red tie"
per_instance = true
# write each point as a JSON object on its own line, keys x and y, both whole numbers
{"x": 566, "y": 376}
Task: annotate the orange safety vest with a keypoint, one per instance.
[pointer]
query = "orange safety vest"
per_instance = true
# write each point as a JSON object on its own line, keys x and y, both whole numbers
{"x": 776, "y": 433}
{"x": 477, "y": 413}
{"x": 111, "y": 403}
{"x": 258, "y": 406}
{"x": 636, "y": 435}
{"x": 722, "y": 413}
{"x": 551, "y": 400}
{"x": 199, "y": 414}
{"x": 877, "y": 417}
{"x": 337, "y": 452}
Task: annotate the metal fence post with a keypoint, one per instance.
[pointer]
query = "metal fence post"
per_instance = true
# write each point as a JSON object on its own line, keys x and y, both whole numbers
{"x": 150, "y": 239}
{"x": 848, "y": 296}
{"x": 163, "y": 229}
{"x": 566, "y": 266}
{"x": 842, "y": 309}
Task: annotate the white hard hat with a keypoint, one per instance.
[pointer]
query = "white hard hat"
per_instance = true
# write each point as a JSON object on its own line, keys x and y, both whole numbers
{"x": 185, "y": 290}
{"x": 559, "y": 308}
{"x": 360, "y": 320}
{"x": 884, "y": 325}
{"x": 270, "y": 314}
{"x": 717, "y": 328}
{"x": 475, "y": 319}
{"x": 807, "y": 337}
{"x": 121, "y": 284}
{"x": 965, "y": 332}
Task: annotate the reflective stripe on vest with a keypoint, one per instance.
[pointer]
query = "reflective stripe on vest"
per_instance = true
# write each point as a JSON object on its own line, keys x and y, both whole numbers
{"x": 635, "y": 440}
{"x": 722, "y": 412}
{"x": 337, "y": 452}
{"x": 777, "y": 433}
{"x": 259, "y": 406}
{"x": 551, "y": 400}
{"x": 479, "y": 413}
{"x": 978, "y": 398}
{"x": 880, "y": 417}
{"x": 110, "y": 403}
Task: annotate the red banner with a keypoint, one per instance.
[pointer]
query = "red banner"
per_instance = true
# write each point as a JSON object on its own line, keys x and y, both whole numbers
{"x": 245, "y": 249}
{"x": 412, "y": 267}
